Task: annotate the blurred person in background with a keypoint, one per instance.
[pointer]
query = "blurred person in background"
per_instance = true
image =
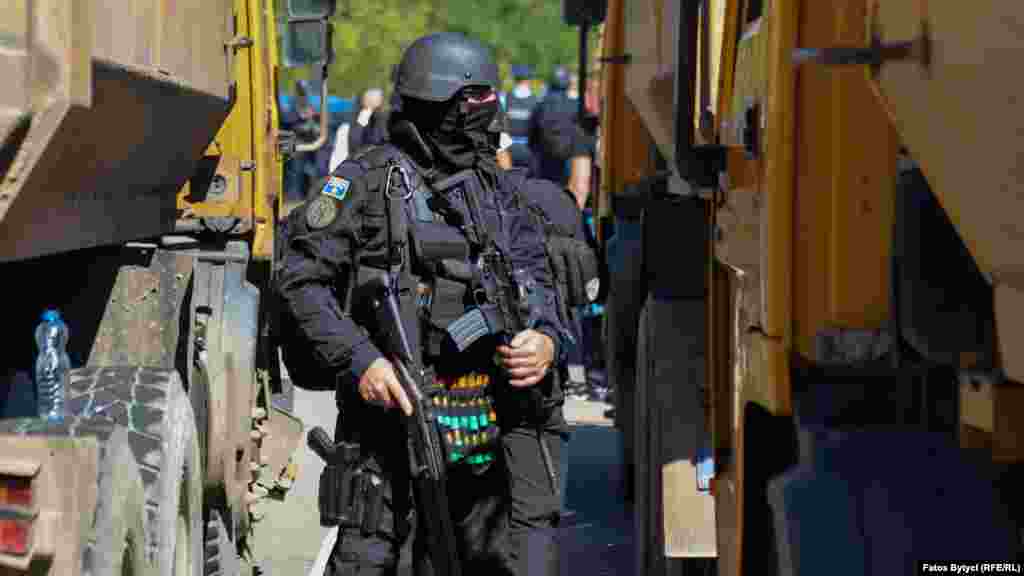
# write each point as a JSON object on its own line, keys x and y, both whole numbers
{"x": 563, "y": 152}
{"x": 581, "y": 163}
{"x": 370, "y": 125}
{"x": 300, "y": 118}
{"x": 561, "y": 148}
{"x": 519, "y": 105}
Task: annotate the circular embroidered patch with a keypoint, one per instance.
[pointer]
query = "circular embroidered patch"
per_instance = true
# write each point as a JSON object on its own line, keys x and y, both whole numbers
{"x": 321, "y": 213}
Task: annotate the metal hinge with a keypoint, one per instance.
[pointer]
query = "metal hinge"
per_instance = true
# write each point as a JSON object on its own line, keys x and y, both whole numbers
{"x": 877, "y": 54}
{"x": 286, "y": 143}
{"x": 239, "y": 42}
{"x": 617, "y": 59}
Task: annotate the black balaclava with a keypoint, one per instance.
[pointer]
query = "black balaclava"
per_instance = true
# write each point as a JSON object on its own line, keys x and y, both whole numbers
{"x": 458, "y": 134}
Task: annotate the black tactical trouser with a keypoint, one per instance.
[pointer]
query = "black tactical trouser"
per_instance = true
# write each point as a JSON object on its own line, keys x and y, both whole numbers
{"x": 505, "y": 517}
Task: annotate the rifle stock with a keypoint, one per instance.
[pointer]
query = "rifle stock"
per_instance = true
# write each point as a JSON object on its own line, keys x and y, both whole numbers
{"x": 426, "y": 456}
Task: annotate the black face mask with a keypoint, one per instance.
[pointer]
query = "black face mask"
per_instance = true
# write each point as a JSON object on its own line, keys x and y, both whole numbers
{"x": 460, "y": 134}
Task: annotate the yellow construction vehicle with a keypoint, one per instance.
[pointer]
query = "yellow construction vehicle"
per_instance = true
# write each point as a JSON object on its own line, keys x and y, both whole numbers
{"x": 854, "y": 287}
{"x": 141, "y": 184}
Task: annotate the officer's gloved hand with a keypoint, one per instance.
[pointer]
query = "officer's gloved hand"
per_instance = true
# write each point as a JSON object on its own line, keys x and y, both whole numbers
{"x": 379, "y": 385}
{"x": 527, "y": 358}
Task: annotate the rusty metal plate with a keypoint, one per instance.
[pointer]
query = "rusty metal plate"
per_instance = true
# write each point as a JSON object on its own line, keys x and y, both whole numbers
{"x": 961, "y": 117}
{"x": 140, "y": 325}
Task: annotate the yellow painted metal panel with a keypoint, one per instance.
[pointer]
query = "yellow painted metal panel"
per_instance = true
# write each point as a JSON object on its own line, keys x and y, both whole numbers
{"x": 268, "y": 177}
{"x": 727, "y": 68}
{"x": 814, "y": 167}
{"x": 717, "y": 13}
{"x": 864, "y": 148}
{"x": 626, "y": 142}
{"x": 777, "y": 213}
{"x": 846, "y": 154}
{"x": 778, "y": 129}
{"x": 245, "y": 146}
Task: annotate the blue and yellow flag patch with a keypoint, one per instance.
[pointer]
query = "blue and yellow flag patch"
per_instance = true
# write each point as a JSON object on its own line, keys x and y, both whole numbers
{"x": 336, "y": 187}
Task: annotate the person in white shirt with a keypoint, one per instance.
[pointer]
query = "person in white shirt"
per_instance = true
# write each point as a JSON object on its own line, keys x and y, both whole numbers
{"x": 371, "y": 100}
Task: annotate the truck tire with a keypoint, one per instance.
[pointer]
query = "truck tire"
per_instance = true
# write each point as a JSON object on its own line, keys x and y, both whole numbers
{"x": 154, "y": 407}
{"x": 221, "y": 557}
{"x": 117, "y": 541}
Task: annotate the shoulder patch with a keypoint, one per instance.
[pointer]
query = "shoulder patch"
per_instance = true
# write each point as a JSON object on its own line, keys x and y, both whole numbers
{"x": 336, "y": 187}
{"x": 321, "y": 212}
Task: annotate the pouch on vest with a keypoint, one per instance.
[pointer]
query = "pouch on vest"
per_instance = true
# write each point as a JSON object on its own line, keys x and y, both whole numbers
{"x": 433, "y": 243}
{"x": 583, "y": 273}
{"x": 446, "y": 305}
{"x": 575, "y": 265}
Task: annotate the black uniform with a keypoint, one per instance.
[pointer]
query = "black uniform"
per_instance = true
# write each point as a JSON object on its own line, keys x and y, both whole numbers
{"x": 506, "y": 510}
{"x": 555, "y": 137}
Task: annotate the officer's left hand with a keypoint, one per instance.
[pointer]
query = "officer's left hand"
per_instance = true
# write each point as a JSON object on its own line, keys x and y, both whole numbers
{"x": 527, "y": 358}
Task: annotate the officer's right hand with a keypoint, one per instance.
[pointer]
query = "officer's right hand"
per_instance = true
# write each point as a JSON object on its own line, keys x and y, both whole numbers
{"x": 379, "y": 385}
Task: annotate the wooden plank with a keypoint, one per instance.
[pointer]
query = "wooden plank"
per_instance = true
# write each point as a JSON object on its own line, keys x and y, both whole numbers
{"x": 689, "y": 516}
{"x": 995, "y": 409}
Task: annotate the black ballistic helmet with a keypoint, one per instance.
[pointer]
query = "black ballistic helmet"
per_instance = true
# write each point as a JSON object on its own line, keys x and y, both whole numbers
{"x": 437, "y": 66}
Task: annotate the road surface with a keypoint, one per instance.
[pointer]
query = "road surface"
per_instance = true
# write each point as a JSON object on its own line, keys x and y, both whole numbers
{"x": 598, "y": 541}
{"x": 288, "y": 538}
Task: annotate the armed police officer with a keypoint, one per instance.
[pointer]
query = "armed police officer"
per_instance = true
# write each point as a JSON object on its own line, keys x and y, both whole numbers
{"x": 432, "y": 209}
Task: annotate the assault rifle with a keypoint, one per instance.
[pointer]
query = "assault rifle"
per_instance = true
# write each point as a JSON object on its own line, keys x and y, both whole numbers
{"x": 426, "y": 453}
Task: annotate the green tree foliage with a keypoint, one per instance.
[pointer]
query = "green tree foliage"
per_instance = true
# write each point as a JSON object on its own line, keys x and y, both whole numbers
{"x": 369, "y": 36}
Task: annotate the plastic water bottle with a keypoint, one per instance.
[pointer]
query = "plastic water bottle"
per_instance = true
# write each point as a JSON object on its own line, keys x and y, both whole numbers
{"x": 52, "y": 366}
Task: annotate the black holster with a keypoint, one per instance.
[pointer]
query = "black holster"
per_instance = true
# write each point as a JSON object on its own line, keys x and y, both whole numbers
{"x": 351, "y": 491}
